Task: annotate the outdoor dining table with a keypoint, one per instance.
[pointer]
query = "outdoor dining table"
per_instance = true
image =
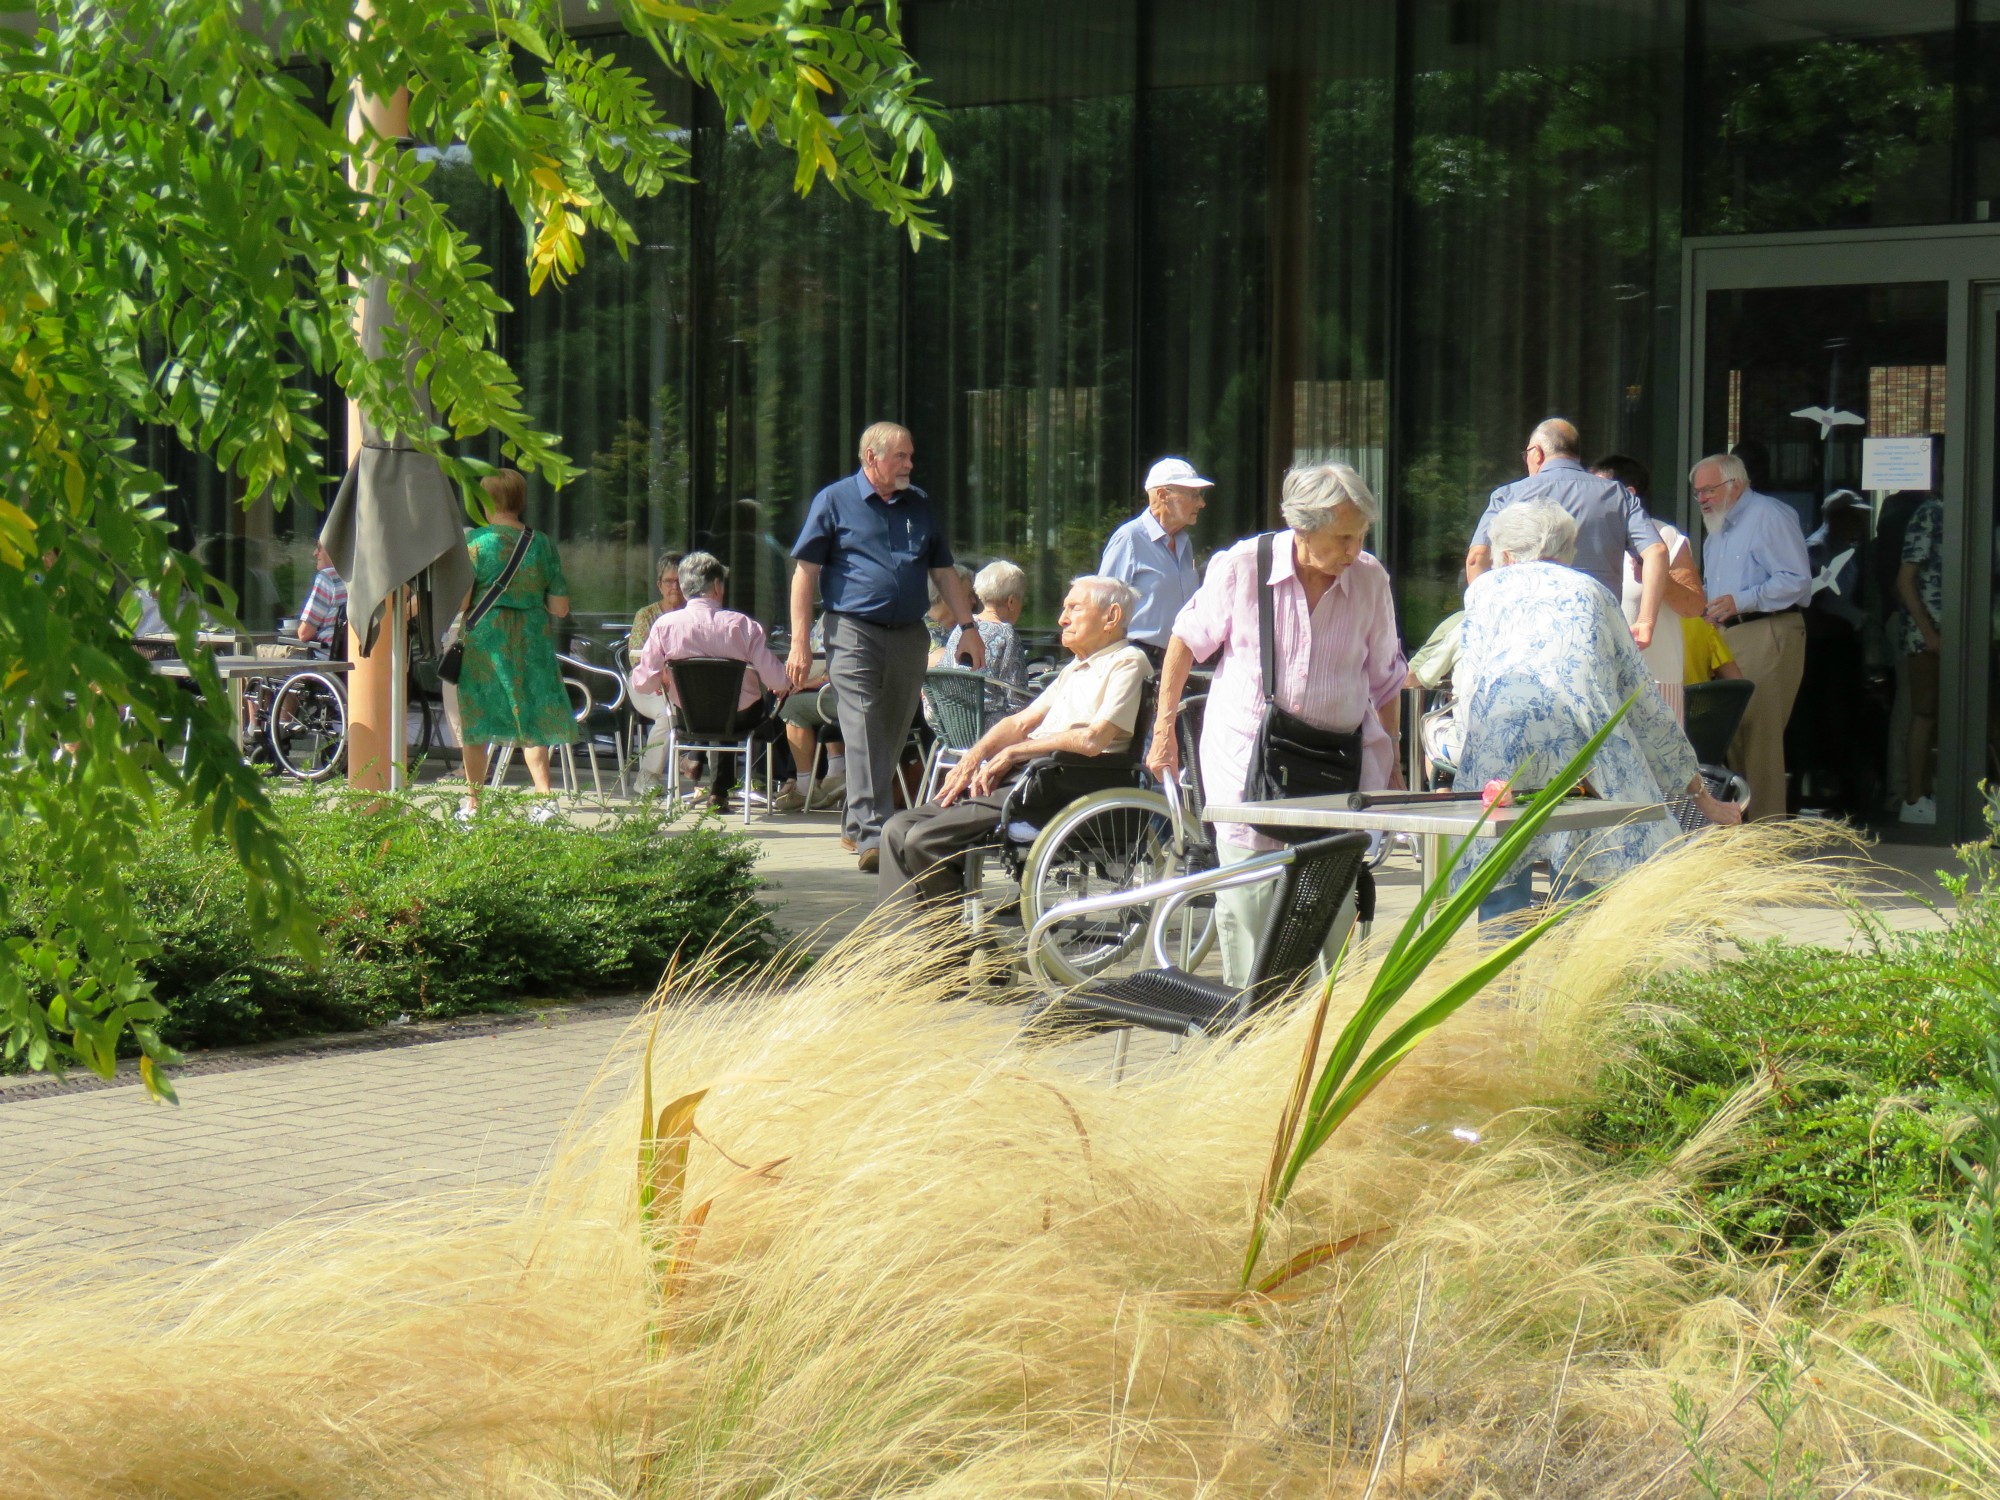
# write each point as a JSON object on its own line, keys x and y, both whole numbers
{"x": 238, "y": 671}
{"x": 1434, "y": 825}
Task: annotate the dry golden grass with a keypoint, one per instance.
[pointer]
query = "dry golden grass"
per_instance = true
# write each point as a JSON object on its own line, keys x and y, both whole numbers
{"x": 983, "y": 1270}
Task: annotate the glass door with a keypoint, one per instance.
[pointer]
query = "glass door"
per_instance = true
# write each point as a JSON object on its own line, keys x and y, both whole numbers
{"x": 1842, "y": 371}
{"x": 1805, "y": 385}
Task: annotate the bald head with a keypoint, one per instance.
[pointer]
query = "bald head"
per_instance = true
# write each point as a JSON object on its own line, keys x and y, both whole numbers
{"x": 1557, "y": 439}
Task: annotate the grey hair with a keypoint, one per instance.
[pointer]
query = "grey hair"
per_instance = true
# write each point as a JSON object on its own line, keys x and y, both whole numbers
{"x": 1533, "y": 531}
{"x": 1105, "y": 592}
{"x": 670, "y": 562}
{"x": 1728, "y": 465}
{"x": 1311, "y": 496}
{"x": 999, "y": 580}
{"x": 1557, "y": 439}
{"x": 700, "y": 572}
{"x": 876, "y": 437}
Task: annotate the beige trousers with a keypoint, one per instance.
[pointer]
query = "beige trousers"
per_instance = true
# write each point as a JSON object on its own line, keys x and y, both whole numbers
{"x": 1772, "y": 654}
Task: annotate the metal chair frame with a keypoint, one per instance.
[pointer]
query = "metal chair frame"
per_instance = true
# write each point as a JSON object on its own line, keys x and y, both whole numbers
{"x": 708, "y": 743}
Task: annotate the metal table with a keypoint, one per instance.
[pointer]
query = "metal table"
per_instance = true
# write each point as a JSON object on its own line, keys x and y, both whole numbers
{"x": 238, "y": 670}
{"x": 1434, "y": 825}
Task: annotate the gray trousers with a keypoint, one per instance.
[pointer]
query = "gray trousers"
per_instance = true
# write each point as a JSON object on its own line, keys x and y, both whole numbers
{"x": 922, "y": 847}
{"x": 877, "y": 673}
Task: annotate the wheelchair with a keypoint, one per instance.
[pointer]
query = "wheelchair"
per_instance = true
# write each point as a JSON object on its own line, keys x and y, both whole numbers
{"x": 1077, "y": 826}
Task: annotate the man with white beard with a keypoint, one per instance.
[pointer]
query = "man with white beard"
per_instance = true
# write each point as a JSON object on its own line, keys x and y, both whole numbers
{"x": 1759, "y": 578}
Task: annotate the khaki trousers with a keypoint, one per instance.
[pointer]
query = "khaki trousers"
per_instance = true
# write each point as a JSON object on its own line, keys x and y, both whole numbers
{"x": 1772, "y": 654}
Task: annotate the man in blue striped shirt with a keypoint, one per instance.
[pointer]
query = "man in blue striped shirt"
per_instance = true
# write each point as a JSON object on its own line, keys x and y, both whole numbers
{"x": 1759, "y": 577}
{"x": 1154, "y": 554}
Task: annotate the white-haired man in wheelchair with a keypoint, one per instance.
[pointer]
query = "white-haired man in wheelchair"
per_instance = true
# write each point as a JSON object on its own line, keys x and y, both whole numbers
{"x": 1090, "y": 709}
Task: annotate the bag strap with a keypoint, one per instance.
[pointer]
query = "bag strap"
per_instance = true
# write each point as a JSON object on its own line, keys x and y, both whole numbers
{"x": 491, "y": 597}
{"x": 1267, "y": 621}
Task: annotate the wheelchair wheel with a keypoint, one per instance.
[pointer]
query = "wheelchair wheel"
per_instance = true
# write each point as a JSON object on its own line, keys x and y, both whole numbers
{"x": 307, "y": 729}
{"x": 1109, "y": 841}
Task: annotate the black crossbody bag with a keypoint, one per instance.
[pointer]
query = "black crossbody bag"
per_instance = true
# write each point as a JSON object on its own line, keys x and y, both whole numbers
{"x": 1292, "y": 758}
{"x": 453, "y": 660}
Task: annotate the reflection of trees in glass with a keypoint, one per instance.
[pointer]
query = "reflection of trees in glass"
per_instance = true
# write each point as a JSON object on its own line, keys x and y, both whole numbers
{"x": 1542, "y": 211}
{"x": 1821, "y": 135}
{"x": 1020, "y": 338}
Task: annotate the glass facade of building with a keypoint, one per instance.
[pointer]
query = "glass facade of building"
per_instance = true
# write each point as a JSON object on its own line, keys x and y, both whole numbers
{"x": 1258, "y": 234}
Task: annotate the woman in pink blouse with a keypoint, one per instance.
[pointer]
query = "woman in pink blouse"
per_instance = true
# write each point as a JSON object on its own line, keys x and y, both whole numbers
{"x": 1339, "y": 661}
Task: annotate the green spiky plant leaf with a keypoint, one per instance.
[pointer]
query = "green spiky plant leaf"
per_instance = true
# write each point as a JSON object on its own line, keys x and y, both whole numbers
{"x": 1347, "y": 1077}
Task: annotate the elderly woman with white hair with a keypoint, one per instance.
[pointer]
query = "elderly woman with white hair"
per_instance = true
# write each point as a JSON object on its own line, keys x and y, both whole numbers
{"x": 1002, "y": 591}
{"x": 1338, "y": 659}
{"x": 1544, "y": 662}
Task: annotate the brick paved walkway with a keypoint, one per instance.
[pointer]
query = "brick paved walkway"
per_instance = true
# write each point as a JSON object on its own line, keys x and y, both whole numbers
{"x": 105, "y": 1173}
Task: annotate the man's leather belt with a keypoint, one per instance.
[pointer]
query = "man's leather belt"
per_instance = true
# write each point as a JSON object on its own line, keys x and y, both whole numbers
{"x": 1762, "y": 614}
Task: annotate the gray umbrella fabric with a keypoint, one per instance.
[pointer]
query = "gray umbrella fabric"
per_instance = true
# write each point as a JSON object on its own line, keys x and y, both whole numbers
{"x": 395, "y": 515}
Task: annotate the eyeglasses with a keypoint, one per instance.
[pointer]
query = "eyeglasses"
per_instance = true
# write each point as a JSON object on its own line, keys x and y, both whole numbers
{"x": 1709, "y": 491}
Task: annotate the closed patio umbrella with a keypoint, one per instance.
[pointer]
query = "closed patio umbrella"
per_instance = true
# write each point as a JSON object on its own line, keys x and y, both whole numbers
{"x": 396, "y": 515}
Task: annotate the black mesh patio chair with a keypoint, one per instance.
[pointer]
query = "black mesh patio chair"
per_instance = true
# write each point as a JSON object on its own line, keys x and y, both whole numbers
{"x": 1317, "y": 880}
{"x": 704, "y": 721}
{"x": 1714, "y": 709}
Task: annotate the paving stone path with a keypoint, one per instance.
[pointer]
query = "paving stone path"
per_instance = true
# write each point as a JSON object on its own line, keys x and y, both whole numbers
{"x": 102, "y": 1176}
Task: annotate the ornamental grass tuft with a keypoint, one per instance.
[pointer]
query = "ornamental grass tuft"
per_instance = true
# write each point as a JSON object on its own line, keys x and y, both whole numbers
{"x": 890, "y": 1248}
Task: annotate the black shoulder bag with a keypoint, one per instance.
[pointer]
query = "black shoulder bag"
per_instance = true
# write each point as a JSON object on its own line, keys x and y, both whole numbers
{"x": 1292, "y": 758}
{"x": 453, "y": 660}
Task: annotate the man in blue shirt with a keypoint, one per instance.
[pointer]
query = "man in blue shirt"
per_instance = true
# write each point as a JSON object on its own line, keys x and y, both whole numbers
{"x": 1759, "y": 577}
{"x": 1611, "y": 524}
{"x": 1154, "y": 554}
{"x": 869, "y": 544}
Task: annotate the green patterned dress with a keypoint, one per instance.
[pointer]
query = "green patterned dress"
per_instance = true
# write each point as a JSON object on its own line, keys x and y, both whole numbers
{"x": 510, "y": 690}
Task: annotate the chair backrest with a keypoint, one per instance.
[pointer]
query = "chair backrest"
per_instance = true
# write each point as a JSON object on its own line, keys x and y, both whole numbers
{"x": 708, "y": 688}
{"x": 1714, "y": 710}
{"x": 1315, "y": 885}
{"x": 955, "y": 703}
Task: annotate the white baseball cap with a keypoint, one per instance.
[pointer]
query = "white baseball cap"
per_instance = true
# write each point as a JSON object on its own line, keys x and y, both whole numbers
{"x": 1175, "y": 471}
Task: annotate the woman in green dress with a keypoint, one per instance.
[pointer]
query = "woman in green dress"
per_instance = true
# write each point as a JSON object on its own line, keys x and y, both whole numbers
{"x": 510, "y": 689}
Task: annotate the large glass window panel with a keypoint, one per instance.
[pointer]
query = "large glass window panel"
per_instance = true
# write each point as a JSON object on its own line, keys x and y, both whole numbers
{"x": 1979, "y": 75}
{"x": 1821, "y": 114}
{"x": 1797, "y": 382}
{"x": 1541, "y": 259}
{"x": 1339, "y": 298}
{"x": 1020, "y": 354}
{"x": 1204, "y": 376}
{"x": 800, "y": 346}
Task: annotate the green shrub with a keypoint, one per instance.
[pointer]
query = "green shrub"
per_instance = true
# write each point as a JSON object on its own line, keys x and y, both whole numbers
{"x": 427, "y": 917}
{"x": 1872, "y": 1059}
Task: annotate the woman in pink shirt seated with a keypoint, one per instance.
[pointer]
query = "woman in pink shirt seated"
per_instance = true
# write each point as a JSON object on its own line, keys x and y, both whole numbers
{"x": 1339, "y": 664}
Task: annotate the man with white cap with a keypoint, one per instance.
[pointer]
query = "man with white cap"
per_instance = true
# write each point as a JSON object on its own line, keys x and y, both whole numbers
{"x": 1154, "y": 554}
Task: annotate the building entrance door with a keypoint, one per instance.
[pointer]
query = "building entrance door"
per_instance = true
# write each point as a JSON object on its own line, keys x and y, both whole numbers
{"x": 1854, "y": 374}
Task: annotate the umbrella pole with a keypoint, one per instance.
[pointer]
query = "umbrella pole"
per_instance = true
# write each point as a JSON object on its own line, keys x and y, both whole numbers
{"x": 399, "y": 686}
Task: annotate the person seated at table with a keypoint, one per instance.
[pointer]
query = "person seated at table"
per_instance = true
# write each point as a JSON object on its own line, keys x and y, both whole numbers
{"x": 939, "y": 621}
{"x": 653, "y": 706}
{"x": 1092, "y": 708}
{"x": 325, "y": 606}
{"x": 1545, "y": 660}
{"x": 703, "y": 627}
{"x": 806, "y": 730}
{"x": 1001, "y": 590}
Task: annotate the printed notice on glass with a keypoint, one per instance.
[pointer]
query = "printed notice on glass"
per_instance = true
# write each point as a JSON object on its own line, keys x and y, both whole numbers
{"x": 1902, "y": 463}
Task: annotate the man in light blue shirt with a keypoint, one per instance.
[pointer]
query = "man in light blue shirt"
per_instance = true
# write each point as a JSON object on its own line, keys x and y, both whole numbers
{"x": 1611, "y": 524}
{"x": 1154, "y": 554}
{"x": 1758, "y": 577}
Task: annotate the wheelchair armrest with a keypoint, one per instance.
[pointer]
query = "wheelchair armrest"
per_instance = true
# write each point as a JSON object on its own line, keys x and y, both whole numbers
{"x": 1060, "y": 778}
{"x": 1171, "y": 894}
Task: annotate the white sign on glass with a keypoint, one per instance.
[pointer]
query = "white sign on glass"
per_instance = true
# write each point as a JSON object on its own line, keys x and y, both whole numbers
{"x": 1902, "y": 463}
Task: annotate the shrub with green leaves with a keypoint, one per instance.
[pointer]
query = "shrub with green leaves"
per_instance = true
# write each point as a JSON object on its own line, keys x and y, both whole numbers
{"x": 1872, "y": 1060}
{"x": 426, "y": 917}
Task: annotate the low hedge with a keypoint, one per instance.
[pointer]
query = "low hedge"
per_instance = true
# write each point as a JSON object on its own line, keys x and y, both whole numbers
{"x": 426, "y": 917}
{"x": 1872, "y": 1059}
